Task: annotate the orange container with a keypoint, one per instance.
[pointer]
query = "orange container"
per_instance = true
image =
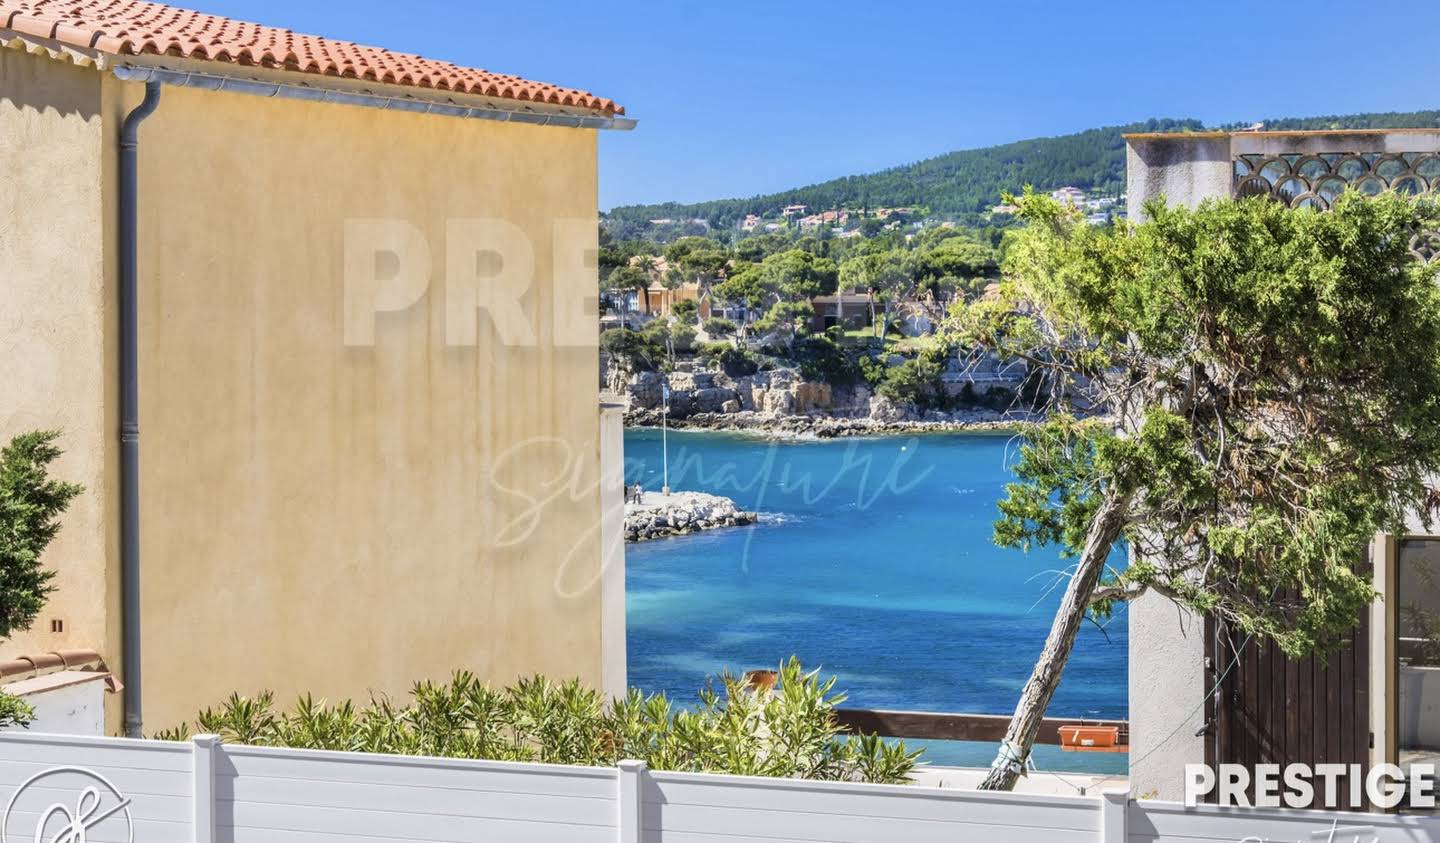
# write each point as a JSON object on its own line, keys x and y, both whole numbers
{"x": 1091, "y": 739}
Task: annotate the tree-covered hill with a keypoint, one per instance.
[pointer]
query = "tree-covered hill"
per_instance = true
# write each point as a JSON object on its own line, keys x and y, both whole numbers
{"x": 972, "y": 180}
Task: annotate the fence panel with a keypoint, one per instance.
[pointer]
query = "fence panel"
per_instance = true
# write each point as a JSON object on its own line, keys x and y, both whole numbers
{"x": 1170, "y": 822}
{"x": 295, "y": 795}
{"x": 55, "y": 770}
{"x": 203, "y": 792}
{"x": 686, "y": 807}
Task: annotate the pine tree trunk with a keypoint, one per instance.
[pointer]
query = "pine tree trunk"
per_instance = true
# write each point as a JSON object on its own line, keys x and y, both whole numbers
{"x": 1105, "y": 530}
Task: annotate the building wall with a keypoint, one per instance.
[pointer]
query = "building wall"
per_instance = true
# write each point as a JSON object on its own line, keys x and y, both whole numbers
{"x": 661, "y": 300}
{"x": 612, "y": 544}
{"x": 317, "y": 516}
{"x": 56, "y": 327}
{"x": 348, "y": 520}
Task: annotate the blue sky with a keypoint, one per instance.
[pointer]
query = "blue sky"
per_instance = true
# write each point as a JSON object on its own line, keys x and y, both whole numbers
{"x": 741, "y": 98}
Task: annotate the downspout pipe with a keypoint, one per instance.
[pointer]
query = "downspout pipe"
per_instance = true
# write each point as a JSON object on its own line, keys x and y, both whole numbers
{"x": 130, "y": 406}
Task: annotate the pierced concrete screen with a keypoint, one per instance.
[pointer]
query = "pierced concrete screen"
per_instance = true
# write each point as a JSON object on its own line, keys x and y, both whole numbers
{"x": 1313, "y": 181}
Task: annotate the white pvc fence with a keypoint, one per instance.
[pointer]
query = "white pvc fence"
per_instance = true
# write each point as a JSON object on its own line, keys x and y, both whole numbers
{"x": 201, "y": 792}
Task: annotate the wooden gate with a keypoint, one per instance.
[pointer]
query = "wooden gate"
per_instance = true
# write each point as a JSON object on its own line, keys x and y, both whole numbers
{"x": 1272, "y": 709}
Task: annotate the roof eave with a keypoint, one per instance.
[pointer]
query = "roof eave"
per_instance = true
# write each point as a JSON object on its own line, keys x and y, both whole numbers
{"x": 271, "y": 82}
{"x": 262, "y": 82}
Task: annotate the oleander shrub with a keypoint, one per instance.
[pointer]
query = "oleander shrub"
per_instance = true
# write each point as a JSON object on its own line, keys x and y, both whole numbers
{"x": 789, "y": 731}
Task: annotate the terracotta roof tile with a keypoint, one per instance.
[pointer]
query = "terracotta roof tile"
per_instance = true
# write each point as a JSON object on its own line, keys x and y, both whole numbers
{"x": 137, "y": 27}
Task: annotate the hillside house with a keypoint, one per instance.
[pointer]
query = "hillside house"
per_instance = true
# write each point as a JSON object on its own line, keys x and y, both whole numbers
{"x": 1202, "y": 693}
{"x": 1073, "y": 197}
{"x": 661, "y": 300}
{"x": 848, "y": 310}
{"x": 251, "y": 275}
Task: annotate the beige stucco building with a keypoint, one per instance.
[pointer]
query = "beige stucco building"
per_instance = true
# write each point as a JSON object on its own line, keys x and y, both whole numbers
{"x": 370, "y": 429}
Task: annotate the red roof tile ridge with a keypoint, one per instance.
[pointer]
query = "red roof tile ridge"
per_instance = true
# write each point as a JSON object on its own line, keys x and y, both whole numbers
{"x": 140, "y": 27}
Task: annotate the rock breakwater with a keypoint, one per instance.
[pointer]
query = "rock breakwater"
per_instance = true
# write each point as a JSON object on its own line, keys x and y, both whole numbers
{"x": 680, "y": 513}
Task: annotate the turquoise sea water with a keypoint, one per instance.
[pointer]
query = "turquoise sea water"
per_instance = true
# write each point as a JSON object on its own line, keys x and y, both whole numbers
{"x": 873, "y": 561}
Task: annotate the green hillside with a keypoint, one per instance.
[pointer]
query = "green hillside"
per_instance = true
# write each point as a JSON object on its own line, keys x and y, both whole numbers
{"x": 971, "y": 180}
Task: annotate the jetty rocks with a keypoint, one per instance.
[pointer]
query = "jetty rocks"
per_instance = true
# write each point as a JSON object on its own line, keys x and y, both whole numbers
{"x": 680, "y": 513}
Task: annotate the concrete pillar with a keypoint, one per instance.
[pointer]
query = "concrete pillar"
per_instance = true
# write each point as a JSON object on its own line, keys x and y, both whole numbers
{"x": 1167, "y": 692}
{"x": 1184, "y": 169}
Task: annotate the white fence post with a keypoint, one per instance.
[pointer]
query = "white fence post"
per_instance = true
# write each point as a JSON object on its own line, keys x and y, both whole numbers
{"x": 203, "y": 793}
{"x": 1114, "y": 806}
{"x": 632, "y": 776}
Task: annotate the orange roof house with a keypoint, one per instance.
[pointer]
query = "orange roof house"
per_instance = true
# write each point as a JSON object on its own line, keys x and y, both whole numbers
{"x": 251, "y": 275}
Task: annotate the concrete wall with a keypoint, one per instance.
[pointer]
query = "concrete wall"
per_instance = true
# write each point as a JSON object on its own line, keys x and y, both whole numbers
{"x": 57, "y": 327}
{"x": 1184, "y": 169}
{"x": 1167, "y": 689}
{"x": 344, "y": 519}
{"x": 1167, "y": 647}
{"x": 66, "y": 703}
{"x": 1315, "y": 143}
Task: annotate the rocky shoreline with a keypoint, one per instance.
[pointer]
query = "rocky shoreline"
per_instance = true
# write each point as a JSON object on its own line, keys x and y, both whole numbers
{"x": 832, "y": 427}
{"x": 681, "y": 513}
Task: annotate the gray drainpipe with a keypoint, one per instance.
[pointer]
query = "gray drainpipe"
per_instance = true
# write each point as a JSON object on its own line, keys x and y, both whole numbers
{"x": 130, "y": 407}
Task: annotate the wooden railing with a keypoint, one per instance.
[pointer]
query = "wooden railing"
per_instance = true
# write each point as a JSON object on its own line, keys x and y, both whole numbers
{"x": 963, "y": 727}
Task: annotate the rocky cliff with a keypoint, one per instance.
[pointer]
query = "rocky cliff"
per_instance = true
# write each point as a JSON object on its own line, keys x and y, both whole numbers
{"x": 769, "y": 399}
